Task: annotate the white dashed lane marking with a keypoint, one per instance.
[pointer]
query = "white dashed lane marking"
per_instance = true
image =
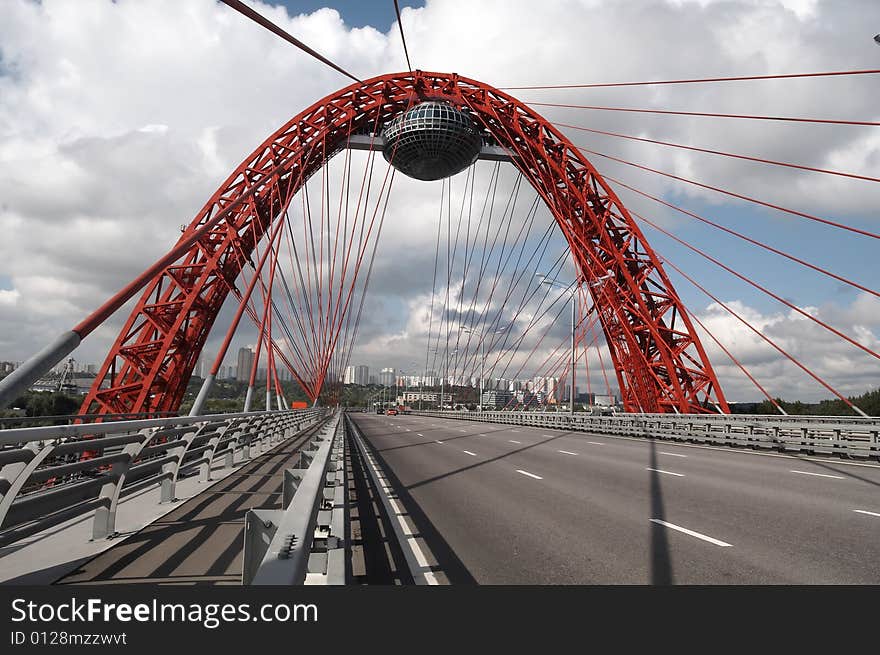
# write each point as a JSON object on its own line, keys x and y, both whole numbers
{"x": 819, "y": 475}
{"x": 678, "y": 475}
{"x": 711, "y": 540}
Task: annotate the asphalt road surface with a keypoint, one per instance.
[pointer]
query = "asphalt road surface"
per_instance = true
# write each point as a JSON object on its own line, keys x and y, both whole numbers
{"x": 504, "y": 504}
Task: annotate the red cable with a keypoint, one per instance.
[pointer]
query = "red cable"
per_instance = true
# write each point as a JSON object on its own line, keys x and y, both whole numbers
{"x": 722, "y": 153}
{"x": 745, "y": 238}
{"x": 767, "y": 339}
{"x": 759, "y": 287}
{"x": 691, "y": 81}
{"x": 737, "y": 362}
{"x": 792, "y": 119}
{"x": 736, "y": 195}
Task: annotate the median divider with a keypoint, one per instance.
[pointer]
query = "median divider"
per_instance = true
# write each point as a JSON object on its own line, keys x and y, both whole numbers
{"x": 304, "y": 542}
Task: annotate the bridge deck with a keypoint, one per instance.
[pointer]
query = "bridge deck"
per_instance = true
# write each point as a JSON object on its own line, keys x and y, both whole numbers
{"x": 200, "y": 542}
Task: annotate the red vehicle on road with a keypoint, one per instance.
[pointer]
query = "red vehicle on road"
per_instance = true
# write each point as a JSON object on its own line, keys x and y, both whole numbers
{"x": 391, "y": 412}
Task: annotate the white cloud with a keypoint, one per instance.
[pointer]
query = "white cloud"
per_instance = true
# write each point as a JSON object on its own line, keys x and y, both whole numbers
{"x": 9, "y": 297}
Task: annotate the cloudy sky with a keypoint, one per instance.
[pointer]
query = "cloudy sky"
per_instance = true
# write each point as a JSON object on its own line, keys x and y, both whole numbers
{"x": 119, "y": 119}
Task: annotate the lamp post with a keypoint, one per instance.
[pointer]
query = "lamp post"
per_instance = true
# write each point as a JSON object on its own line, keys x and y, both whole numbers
{"x": 445, "y": 374}
{"x": 482, "y": 336}
{"x": 573, "y": 293}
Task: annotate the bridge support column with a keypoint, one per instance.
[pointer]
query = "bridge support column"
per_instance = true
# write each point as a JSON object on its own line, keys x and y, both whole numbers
{"x": 248, "y": 399}
{"x": 37, "y": 366}
{"x": 203, "y": 396}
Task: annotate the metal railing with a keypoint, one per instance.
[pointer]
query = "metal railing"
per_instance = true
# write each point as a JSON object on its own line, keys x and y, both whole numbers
{"x": 816, "y": 435}
{"x": 307, "y": 535}
{"x": 51, "y": 474}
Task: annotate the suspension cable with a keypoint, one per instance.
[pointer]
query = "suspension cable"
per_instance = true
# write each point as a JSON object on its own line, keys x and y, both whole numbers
{"x": 766, "y": 339}
{"x": 748, "y": 239}
{"x": 272, "y": 27}
{"x": 722, "y": 153}
{"x": 733, "y": 194}
{"x": 692, "y": 81}
{"x": 402, "y": 37}
{"x": 791, "y": 119}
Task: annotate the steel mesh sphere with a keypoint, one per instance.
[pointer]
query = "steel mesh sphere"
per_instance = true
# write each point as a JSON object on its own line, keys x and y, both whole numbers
{"x": 431, "y": 141}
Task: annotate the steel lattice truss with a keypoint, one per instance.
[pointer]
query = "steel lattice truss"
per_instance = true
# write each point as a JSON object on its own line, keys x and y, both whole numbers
{"x": 660, "y": 363}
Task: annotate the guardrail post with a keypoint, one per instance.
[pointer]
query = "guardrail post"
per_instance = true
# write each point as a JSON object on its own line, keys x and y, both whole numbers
{"x": 208, "y": 457}
{"x": 41, "y": 453}
{"x": 104, "y": 523}
{"x": 172, "y": 469}
{"x": 260, "y": 526}
{"x": 292, "y": 478}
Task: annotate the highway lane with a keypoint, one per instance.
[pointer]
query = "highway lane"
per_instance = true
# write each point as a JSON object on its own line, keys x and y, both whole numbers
{"x": 529, "y": 505}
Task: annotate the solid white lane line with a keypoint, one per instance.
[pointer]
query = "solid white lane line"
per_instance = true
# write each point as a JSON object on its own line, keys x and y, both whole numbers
{"x": 679, "y": 475}
{"x": 864, "y": 511}
{"x": 717, "y": 542}
{"x": 672, "y": 454}
{"x": 467, "y": 452}
{"x": 531, "y": 475}
{"x": 819, "y": 475}
{"x": 566, "y": 452}
{"x": 596, "y": 443}
{"x": 421, "y": 560}
{"x": 512, "y": 441}
{"x": 549, "y": 436}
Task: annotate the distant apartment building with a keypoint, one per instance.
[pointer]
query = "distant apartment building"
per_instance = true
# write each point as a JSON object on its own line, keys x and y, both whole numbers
{"x": 357, "y": 375}
{"x": 411, "y": 397}
{"x": 387, "y": 377}
{"x": 203, "y": 366}
{"x": 245, "y": 364}
{"x": 497, "y": 398}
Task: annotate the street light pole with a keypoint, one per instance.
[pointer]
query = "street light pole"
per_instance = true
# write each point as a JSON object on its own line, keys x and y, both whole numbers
{"x": 573, "y": 358}
{"x": 482, "y": 336}
{"x": 443, "y": 380}
{"x": 573, "y": 294}
{"x": 482, "y": 365}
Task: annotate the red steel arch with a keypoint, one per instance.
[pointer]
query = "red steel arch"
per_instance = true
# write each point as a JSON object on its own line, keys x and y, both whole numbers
{"x": 660, "y": 363}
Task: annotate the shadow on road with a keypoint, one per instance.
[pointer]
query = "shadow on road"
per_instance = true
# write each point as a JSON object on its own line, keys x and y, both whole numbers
{"x": 661, "y": 564}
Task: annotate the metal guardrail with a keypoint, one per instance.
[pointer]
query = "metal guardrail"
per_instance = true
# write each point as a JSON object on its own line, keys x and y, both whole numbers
{"x": 825, "y": 435}
{"x": 308, "y": 534}
{"x": 45, "y": 479}
{"x": 7, "y": 422}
